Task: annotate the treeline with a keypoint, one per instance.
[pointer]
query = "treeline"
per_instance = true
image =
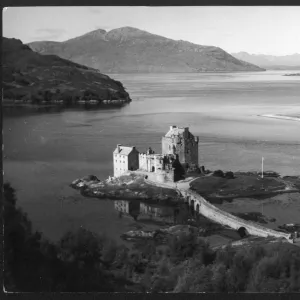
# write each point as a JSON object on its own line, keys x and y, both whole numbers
{"x": 79, "y": 262}
{"x": 67, "y": 96}
{"x": 83, "y": 261}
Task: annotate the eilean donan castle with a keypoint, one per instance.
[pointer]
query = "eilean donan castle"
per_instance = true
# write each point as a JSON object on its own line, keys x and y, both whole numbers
{"x": 179, "y": 151}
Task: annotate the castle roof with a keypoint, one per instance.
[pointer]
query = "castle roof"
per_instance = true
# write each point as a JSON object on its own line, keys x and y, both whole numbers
{"x": 174, "y": 131}
{"x": 124, "y": 150}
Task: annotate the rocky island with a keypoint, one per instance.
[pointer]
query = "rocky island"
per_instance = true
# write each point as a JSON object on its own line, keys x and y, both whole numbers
{"x": 29, "y": 77}
{"x": 133, "y": 186}
{"x": 126, "y": 187}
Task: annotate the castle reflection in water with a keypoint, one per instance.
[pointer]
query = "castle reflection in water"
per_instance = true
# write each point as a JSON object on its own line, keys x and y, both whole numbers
{"x": 141, "y": 210}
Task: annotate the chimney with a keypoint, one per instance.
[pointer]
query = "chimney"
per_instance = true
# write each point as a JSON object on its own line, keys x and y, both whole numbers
{"x": 118, "y": 146}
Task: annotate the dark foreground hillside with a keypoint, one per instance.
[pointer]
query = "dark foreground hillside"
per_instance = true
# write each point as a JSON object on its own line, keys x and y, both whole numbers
{"x": 85, "y": 262}
{"x": 131, "y": 50}
{"x": 30, "y": 76}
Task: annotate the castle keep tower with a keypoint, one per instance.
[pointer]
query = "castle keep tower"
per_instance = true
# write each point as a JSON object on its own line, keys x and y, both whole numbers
{"x": 179, "y": 141}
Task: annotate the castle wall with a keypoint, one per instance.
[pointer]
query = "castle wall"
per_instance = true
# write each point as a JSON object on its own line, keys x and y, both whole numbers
{"x": 162, "y": 176}
{"x": 133, "y": 160}
{"x": 150, "y": 162}
{"x": 143, "y": 162}
{"x": 167, "y": 145}
{"x": 191, "y": 151}
{"x": 120, "y": 164}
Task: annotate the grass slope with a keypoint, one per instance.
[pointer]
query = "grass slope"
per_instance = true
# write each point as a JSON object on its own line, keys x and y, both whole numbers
{"x": 242, "y": 185}
{"x": 30, "y": 76}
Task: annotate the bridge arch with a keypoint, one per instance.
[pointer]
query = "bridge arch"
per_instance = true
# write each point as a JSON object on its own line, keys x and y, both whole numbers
{"x": 243, "y": 232}
{"x": 192, "y": 206}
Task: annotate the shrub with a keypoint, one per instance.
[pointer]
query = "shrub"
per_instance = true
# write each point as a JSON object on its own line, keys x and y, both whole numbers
{"x": 229, "y": 175}
{"x": 218, "y": 173}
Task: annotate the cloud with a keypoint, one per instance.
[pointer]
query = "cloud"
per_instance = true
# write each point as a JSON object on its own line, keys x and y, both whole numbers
{"x": 94, "y": 10}
{"x": 49, "y": 33}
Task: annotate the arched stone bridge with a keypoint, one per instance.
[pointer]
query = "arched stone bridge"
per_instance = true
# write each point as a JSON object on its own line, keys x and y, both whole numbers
{"x": 217, "y": 215}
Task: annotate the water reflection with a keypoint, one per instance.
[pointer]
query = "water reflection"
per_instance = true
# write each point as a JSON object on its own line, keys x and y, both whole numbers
{"x": 142, "y": 212}
{"x": 145, "y": 211}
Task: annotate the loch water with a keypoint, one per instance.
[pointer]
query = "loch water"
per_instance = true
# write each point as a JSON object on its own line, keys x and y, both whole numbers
{"x": 46, "y": 148}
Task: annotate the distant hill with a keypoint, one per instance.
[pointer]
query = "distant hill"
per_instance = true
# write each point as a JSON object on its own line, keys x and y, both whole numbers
{"x": 287, "y": 62}
{"x": 30, "y": 76}
{"x": 130, "y": 50}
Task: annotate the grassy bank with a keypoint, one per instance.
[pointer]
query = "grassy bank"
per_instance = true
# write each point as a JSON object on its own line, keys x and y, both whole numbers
{"x": 216, "y": 188}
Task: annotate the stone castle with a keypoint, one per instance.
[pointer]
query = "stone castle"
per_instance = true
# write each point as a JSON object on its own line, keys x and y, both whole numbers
{"x": 179, "y": 152}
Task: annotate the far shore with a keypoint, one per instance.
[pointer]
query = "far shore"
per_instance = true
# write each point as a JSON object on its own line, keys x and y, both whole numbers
{"x": 283, "y": 117}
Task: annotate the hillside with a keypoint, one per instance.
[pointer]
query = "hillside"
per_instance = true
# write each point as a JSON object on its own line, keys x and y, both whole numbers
{"x": 286, "y": 62}
{"x": 130, "y": 50}
{"x": 33, "y": 77}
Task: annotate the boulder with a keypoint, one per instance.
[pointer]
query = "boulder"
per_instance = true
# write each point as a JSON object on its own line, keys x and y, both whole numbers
{"x": 90, "y": 178}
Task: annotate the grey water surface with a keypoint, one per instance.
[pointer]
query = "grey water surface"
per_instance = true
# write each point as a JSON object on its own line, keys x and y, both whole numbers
{"x": 46, "y": 149}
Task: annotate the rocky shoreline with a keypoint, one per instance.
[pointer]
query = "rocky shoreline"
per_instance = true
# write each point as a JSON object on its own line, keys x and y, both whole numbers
{"x": 292, "y": 74}
{"x": 62, "y": 102}
{"x": 127, "y": 187}
{"x": 132, "y": 186}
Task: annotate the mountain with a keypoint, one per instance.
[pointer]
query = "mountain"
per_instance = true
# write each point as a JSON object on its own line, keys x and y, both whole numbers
{"x": 130, "y": 50}
{"x": 28, "y": 75}
{"x": 271, "y": 62}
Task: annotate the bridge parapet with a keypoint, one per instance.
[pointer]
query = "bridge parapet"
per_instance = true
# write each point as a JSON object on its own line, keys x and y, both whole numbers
{"x": 222, "y": 217}
{"x": 215, "y": 214}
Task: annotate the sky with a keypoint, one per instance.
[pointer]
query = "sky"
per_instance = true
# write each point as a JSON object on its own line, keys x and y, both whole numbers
{"x": 256, "y": 30}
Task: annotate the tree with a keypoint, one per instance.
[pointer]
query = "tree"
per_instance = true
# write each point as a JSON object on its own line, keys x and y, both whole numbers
{"x": 75, "y": 264}
{"x": 219, "y": 278}
{"x": 218, "y": 173}
{"x": 26, "y": 268}
{"x": 237, "y": 278}
{"x": 229, "y": 175}
{"x": 146, "y": 281}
